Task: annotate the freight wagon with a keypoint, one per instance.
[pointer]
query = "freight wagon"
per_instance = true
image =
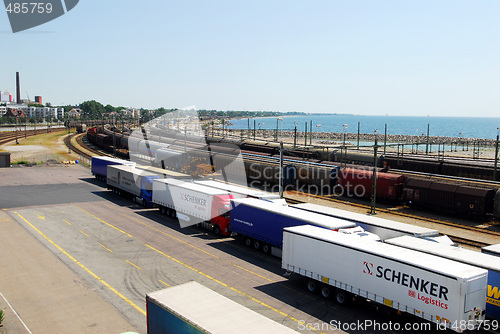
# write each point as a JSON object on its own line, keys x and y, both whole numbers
{"x": 193, "y": 204}
{"x": 480, "y": 260}
{"x": 261, "y": 223}
{"x": 99, "y": 167}
{"x": 358, "y": 183}
{"x": 131, "y": 182}
{"x": 194, "y": 308}
{"x": 448, "y": 197}
{"x": 439, "y": 290}
{"x": 384, "y": 228}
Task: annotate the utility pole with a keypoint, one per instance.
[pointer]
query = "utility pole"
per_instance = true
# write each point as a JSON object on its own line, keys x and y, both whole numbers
{"x": 385, "y": 137}
{"x": 496, "y": 157}
{"x": 295, "y": 137}
{"x": 310, "y": 133}
{"x": 358, "y": 137}
{"x": 305, "y": 136}
{"x": 281, "y": 170}
{"x": 427, "y": 143}
{"x": 374, "y": 178}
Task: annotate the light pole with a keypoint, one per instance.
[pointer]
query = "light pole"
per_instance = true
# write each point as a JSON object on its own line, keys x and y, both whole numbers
{"x": 317, "y": 131}
{"x": 496, "y": 156}
{"x": 345, "y": 128}
{"x": 281, "y": 131}
{"x": 374, "y": 175}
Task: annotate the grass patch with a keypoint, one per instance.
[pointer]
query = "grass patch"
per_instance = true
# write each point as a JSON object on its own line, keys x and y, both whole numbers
{"x": 21, "y": 162}
{"x": 2, "y": 316}
{"x": 44, "y": 139}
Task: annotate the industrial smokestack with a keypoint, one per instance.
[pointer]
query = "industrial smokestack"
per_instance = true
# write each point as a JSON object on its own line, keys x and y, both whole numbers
{"x": 18, "y": 86}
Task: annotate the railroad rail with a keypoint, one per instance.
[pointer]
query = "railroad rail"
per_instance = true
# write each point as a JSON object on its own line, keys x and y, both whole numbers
{"x": 455, "y": 238}
{"x": 6, "y": 137}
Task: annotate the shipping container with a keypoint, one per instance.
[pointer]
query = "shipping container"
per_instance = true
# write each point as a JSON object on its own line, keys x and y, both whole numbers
{"x": 261, "y": 223}
{"x": 194, "y": 308}
{"x": 193, "y": 204}
{"x": 433, "y": 288}
{"x": 384, "y": 228}
{"x": 484, "y": 261}
{"x": 100, "y": 165}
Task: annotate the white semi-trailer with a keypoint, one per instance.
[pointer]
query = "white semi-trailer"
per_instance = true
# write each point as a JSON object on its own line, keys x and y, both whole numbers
{"x": 193, "y": 204}
{"x": 439, "y": 290}
{"x": 132, "y": 182}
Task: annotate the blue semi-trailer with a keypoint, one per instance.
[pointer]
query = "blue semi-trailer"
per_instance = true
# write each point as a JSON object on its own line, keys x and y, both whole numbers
{"x": 262, "y": 223}
{"x": 101, "y": 163}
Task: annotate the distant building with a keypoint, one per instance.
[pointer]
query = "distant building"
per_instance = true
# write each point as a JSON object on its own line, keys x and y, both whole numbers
{"x": 38, "y": 100}
{"x": 5, "y": 96}
{"x": 75, "y": 113}
{"x": 13, "y": 112}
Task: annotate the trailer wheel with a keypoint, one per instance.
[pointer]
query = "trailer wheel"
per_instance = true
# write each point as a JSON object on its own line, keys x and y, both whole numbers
{"x": 266, "y": 248}
{"x": 162, "y": 210}
{"x": 312, "y": 285}
{"x": 343, "y": 297}
{"x": 326, "y": 291}
{"x": 216, "y": 229}
{"x": 256, "y": 244}
{"x": 248, "y": 242}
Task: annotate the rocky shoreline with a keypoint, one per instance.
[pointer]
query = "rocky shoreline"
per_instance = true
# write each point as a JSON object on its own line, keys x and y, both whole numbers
{"x": 338, "y": 138}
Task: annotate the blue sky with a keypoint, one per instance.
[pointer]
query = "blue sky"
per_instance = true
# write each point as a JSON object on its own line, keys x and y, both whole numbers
{"x": 438, "y": 58}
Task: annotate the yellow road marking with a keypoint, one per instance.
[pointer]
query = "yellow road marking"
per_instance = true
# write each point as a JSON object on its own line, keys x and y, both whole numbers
{"x": 67, "y": 222}
{"x": 164, "y": 283}
{"x": 106, "y": 248}
{"x": 84, "y": 268}
{"x": 201, "y": 250}
{"x": 171, "y": 236}
{"x": 229, "y": 287}
{"x": 132, "y": 264}
{"x": 40, "y": 217}
{"x": 85, "y": 234}
{"x": 116, "y": 228}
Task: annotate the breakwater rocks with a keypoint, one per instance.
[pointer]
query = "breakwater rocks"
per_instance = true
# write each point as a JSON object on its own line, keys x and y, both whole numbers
{"x": 334, "y": 138}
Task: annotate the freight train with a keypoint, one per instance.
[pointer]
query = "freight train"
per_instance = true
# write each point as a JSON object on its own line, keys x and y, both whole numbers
{"x": 270, "y": 227}
{"x": 306, "y": 175}
{"x": 435, "y": 165}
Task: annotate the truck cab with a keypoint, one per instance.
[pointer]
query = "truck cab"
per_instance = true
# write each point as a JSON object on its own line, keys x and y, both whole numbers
{"x": 221, "y": 208}
{"x": 146, "y": 196}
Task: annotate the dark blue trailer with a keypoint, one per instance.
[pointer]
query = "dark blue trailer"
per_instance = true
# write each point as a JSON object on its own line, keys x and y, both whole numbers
{"x": 261, "y": 222}
{"x": 101, "y": 163}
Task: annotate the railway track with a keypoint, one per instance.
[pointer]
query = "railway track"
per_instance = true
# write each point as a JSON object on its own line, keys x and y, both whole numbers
{"x": 455, "y": 238}
{"x": 78, "y": 148}
{"x": 6, "y": 137}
